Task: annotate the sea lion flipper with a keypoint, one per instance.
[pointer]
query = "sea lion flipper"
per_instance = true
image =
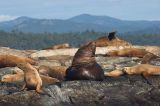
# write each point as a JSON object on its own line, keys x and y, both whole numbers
{"x": 40, "y": 91}
{"x": 145, "y": 75}
{"x": 38, "y": 88}
{"x": 23, "y": 87}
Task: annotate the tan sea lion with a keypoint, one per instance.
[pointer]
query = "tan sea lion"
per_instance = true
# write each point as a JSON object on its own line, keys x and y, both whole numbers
{"x": 128, "y": 52}
{"x": 114, "y": 73}
{"x": 12, "y": 77}
{"x": 84, "y": 65}
{"x": 31, "y": 77}
{"x": 59, "y": 46}
{"x": 54, "y": 72}
{"x": 20, "y": 77}
{"x": 12, "y": 61}
{"x": 111, "y": 40}
{"x": 144, "y": 69}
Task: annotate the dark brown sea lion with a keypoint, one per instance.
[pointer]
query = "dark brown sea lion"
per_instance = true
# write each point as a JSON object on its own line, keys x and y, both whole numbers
{"x": 54, "y": 72}
{"x": 12, "y": 61}
{"x": 59, "y": 46}
{"x": 84, "y": 65}
{"x": 111, "y": 40}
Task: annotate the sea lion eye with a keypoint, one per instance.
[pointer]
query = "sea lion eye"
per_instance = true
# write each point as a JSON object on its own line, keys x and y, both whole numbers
{"x": 4, "y": 78}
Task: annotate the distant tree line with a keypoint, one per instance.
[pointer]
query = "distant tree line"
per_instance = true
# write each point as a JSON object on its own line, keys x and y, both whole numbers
{"x": 20, "y": 40}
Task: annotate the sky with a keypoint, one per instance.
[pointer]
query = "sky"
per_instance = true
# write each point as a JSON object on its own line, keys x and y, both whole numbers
{"x": 63, "y": 9}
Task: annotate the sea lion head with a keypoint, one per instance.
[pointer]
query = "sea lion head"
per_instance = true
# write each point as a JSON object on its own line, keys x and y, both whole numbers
{"x": 128, "y": 70}
{"x": 111, "y": 35}
{"x": 88, "y": 49}
{"x": 85, "y": 54}
{"x": 24, "y": 66}
{"x": 7, "y": 78}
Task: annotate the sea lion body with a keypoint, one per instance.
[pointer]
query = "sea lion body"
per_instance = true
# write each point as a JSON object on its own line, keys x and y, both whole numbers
{"x": 145, "y": 69}
{"x": 54, "y": 72}
{"x": 12, "y": 61}
{"x": 90, "y": 71}
{"x": 84, "y": 65}
{"x": 128, "y": 52}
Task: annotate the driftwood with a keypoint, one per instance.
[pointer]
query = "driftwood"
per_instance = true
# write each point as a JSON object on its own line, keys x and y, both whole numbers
{"x": 99, "y": 50}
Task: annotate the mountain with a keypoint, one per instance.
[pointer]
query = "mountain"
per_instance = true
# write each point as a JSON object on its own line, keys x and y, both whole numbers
{"x": 80, "y": 23}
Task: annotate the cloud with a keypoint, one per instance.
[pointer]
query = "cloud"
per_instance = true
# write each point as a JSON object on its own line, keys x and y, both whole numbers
{"x": 6, "y": 18}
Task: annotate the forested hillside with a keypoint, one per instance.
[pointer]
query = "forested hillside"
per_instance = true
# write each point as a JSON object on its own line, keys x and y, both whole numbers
{"x": 22, "y": 40}
{"x": 80, "y": 23}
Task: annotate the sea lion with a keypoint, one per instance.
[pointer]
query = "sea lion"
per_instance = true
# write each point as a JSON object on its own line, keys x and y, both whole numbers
{"x": 12, "y": 77}
{"x": 54, "y": 72}
{"x": 12, "y": 61}
{"x": 144, "y": 69}
{"x": 84, "y": 65}
{"x": 114, "y": 73}
{"x": 59, "y": 46}
{"x": 128, "y": 52}
{"x": 31, "y": 77}
{"x": 20, "y": 77}
{"x": 110, "y": 40}
{"x": 148, "y": 57}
